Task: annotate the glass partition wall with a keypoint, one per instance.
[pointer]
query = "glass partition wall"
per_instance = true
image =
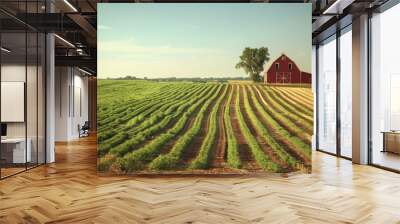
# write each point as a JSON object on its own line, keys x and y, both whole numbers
{"x": 327, "y": 95}
{"x": 345, "y": 62}
{"x": 22, "y": 77}
{"x": 385, "y": 89}
{"x": 13, "y": 89}
{"x": 334, "y": 85}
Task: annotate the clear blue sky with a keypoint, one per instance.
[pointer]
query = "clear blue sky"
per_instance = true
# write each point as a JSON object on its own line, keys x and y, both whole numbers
{"x": 197, "y": 40}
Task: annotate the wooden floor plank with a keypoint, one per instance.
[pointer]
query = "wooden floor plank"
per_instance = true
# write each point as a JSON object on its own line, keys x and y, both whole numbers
{"x": 70, "y": 191}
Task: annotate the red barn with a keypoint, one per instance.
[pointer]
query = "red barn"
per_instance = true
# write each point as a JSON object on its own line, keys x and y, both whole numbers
{"x": 284, "y": 71}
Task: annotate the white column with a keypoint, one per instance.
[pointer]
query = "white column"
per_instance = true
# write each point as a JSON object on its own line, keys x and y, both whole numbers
{"x": 360, "y": 90}
{"x": 50, "y": 94}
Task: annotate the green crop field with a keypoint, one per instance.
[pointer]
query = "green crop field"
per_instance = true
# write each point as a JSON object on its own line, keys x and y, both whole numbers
{"x": 235, "y": 127}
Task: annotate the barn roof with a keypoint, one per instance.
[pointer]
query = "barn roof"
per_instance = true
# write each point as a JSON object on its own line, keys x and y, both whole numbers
{"x": 281, "y": 58}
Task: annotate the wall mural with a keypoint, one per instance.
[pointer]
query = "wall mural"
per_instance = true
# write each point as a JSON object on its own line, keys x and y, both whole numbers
{"x": 204, "y": 88}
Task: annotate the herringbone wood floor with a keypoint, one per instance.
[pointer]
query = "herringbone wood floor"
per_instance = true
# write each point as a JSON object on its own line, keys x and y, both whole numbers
{"x": 70, "y": 191}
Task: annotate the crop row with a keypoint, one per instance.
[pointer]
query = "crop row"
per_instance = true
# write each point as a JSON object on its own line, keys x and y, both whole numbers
{"x": 297, "y": 103}
{"x": 203, "y": 158}
{"x": 120, "y": 147}
{"x": 129, "y": 115}
{"x": 233, "y": 158}
{"x": 155, "y": 132}
{"x": 130, "y": 144}
{"x": 293, "y": 142}
{"x": 303, "y": 120}
{"x": 149, "y": 117}
{"x": 270, "y": 105}
{"x": 171, "y": 159}
{"x": 277, "y": 148}
{"x": 259, "y": 155}
{"x": 137, "y": 159}
{"x": 300, "y": 95}
{"x": 113, "y": 135}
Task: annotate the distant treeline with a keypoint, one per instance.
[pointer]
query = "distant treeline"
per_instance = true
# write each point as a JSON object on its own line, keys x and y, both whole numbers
{"x": 195, "y": 79}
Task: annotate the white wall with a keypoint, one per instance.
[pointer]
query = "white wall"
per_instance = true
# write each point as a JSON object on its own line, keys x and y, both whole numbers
{"x": 81, "y": 103}
{"x": 62, "y": 82}
{"x": 71, "y": 94}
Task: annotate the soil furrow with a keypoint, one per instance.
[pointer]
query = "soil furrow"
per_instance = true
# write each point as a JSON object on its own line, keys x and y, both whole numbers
{"x": 219, "y": 152}
{"x": 194, "y": 147}
{"x": 306, "y": 137}
{"x": 295, "y": 102}
{"x": 288, "y": 146}
{"x": 189, "y": 123}
{"x": 301, "y": 95}
{"x": 264, "y": 146}
{"x": 248, "y": 161}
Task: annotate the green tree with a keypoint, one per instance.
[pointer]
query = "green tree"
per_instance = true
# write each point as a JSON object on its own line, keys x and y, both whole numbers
{"x": 252, "y": 62}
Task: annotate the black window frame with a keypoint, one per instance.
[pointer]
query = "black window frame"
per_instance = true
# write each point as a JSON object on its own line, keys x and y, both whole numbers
{"x": 335, "y": 37}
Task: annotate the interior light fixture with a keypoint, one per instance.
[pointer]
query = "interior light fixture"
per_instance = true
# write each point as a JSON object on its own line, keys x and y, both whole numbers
{"x": 79, "y": 51}
{"x": 70, "y": 5}
{"x": 84, "y": 71}
{"x": 338, "y": 6}
{"x": 328, "y": 10}
{"x": 64, "y": 40}
{"x": 5, "y": 50}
